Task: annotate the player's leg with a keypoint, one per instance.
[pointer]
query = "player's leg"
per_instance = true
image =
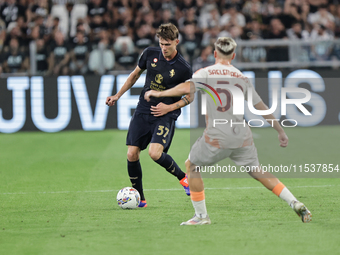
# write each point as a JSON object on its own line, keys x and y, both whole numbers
{"x": 197, "y": 196}
{"x": 165, "y": 160}
{"x": 272, "y": 183}
{"x": 279, "y": 189}
{"x": 201, "y": 154}
{"x": 138, "y": 138}
{"x": 247, "y": 156}
{"x": 170, "y": 165}
{"x": 163, "y": 132}
{"x": 135, "y": 171}
{"x": 194, "y": 177}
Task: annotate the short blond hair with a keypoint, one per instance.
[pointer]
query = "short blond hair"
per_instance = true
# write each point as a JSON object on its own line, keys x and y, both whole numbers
{"x": 225, "y": 45}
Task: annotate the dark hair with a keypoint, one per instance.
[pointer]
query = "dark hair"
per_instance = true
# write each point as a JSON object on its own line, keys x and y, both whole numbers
{"x": 167, "y": 31}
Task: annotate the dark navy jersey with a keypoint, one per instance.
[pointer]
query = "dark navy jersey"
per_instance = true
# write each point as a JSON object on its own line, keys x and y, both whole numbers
{"x": 161, "y": 75}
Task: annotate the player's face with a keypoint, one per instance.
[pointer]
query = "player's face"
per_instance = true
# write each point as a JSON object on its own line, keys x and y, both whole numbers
{"x": 168, "y": 48}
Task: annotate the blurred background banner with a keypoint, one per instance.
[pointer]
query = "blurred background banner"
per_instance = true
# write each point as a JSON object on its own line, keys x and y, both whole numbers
{"x": 53, "y": 104}
{"x": 60, "y": 59}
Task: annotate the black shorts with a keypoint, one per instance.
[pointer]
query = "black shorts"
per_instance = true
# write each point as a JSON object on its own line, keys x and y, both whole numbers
{"x": 145, "y": 129}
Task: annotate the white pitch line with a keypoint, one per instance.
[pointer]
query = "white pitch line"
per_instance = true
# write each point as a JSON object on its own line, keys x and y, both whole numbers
{"x": 114, "y": 190}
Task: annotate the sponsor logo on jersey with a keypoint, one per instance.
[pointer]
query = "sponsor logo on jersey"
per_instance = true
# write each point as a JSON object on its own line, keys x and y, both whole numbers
{"x": 159, "y": 78}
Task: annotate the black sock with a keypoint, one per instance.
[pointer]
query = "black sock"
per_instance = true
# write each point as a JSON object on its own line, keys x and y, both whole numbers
{"x": 135, "y": 173}
{"x": 170, "y": 165}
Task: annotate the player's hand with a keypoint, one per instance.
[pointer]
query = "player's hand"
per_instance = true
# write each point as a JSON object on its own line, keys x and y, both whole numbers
{"x": 150, "y": 93}
{"x": 110, "y": 101}
{"x": 283, "y": 138}
{"x": 160, "y": 109}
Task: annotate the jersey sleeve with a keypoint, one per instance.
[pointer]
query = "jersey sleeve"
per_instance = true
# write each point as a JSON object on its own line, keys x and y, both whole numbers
{"x": 142, "y": 62}
{"x": 199, "y": 77}
{"x": 256, "y": 98}
{"x": 188, "y": 74}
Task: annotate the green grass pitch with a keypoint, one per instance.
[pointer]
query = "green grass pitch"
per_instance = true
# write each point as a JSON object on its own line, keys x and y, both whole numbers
{"x": 57, "y": 196}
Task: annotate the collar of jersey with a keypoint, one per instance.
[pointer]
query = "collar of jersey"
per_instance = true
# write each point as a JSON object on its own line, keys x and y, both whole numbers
{"x": 172, "y": 61}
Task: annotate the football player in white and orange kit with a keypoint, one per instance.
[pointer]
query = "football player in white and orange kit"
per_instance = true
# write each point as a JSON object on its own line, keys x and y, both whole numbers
{"x": 221, "y": 139}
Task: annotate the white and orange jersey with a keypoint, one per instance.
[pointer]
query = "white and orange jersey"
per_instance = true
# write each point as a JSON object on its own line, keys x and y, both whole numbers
{"x": 218, "y": 82}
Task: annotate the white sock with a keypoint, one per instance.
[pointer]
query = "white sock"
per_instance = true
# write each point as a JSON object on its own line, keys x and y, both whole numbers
{"x": 287, "y": 196}
{"x": 200, "y": 208}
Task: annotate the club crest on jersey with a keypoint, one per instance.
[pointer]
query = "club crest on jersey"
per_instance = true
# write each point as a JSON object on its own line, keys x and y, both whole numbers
{"x": 172, "y": 73}
{"x": 159, "y": 78}
{"x": 155, "y": 60}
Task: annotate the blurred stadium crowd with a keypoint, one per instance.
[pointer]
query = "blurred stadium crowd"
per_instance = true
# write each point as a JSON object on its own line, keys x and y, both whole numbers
{"x": 72, "y": 37}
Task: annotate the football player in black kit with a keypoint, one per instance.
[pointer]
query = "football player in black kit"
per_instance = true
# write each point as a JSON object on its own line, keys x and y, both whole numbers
{"x": 154, "y": 122}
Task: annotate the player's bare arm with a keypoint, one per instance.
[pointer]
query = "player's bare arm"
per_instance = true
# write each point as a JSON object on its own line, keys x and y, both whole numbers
{"x": 283, "y": 138}
{"x": 162, "y": 109}
{"x": 180, "y": 90}
{"x": 131, "y": 80}
{"x": 185, "y": 88}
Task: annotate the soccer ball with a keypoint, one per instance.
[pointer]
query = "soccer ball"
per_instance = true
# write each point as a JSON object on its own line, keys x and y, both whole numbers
{"x": 128, "y": 198}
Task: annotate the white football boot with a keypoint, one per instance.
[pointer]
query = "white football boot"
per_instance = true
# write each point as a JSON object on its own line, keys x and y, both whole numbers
{"x": 197, "y": 221}
{"x": 302, "y": 211}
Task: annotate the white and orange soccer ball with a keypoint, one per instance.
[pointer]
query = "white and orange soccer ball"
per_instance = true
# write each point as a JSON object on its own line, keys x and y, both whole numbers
{"x": 128, "y": 198}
